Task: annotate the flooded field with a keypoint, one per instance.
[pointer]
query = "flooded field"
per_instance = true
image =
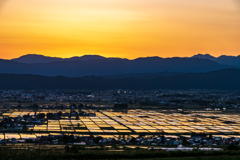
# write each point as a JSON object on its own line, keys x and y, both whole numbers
{"x": 132, "y": 122}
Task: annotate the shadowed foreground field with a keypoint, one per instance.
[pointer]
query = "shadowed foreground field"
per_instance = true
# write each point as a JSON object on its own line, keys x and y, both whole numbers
{"x": 79, "y": 152}
{"x": 196, "y": 158}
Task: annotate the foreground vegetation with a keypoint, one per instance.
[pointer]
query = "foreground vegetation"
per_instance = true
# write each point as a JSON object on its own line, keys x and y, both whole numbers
{"x": 196, "y": 158}
{"x": 79, "y": 152}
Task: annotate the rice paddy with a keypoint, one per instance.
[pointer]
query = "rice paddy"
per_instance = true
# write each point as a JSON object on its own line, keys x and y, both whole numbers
{"x": 134, "y": 122}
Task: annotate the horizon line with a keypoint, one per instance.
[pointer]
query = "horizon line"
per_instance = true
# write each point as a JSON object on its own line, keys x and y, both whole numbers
{"x": 122, "y": 57}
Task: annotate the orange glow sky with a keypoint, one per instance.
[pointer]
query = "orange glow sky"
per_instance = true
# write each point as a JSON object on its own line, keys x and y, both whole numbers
{"x": 119, "y": 28}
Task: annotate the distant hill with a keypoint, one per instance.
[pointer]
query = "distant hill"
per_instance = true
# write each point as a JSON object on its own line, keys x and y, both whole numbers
{"x": 204, "y": 56}
{"x": 101, "y": 66}
{"x": 142, "y": 75}
{"x": 34, "y": 58}
{"x": 226, "y": 79}
{"x": 226, "y": 60}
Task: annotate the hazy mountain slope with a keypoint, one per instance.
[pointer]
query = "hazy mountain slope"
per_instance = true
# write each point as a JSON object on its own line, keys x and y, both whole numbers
{"x": 141, "y": 75}
{"x": 104, "y": 66}
{"x": 227, "y": 79}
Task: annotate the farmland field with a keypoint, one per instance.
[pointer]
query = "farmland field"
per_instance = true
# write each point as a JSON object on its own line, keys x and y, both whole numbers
{"x": 133, "y": 122}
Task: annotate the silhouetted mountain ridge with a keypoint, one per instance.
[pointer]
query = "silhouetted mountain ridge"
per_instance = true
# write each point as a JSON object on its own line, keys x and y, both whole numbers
{"x": 34, "y": 58}
{"x": 224, "y": 59}
{"x": 101, "y": 66}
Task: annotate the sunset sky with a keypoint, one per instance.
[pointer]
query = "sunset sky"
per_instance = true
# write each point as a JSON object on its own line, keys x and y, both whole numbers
{"x": 119, "y": 28}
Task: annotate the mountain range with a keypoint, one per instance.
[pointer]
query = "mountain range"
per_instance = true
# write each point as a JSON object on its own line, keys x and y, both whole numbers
{"x": 100, "y": 66}
{"x": 201, "y": 71}
{"x": 226, "y": 79}
{"x": 34, "y": 58}
{"x": 227, "y": 60}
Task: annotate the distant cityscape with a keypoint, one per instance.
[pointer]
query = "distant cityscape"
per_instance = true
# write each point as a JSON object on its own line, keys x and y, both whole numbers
{"x": 194, "y": 98}
{"x": 87, "y": 117}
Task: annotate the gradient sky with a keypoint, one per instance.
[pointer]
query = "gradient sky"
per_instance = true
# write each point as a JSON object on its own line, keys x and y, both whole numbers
{"x": 119, "y": 28}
